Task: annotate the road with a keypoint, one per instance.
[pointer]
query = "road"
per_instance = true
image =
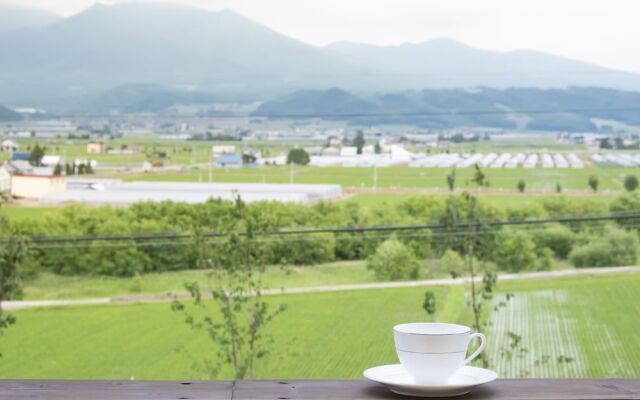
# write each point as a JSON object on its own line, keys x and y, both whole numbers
{"x": 152, "y": 298}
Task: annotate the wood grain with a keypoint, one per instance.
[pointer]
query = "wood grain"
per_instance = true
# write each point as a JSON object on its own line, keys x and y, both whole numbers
{"x": 506, "y": 389}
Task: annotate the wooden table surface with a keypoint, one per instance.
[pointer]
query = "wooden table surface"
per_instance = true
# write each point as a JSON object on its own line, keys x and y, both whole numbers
{"x": 505, "y": 389}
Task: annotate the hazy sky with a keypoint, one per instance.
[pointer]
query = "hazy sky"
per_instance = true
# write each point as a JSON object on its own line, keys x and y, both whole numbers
{"x": 606, "y": 32}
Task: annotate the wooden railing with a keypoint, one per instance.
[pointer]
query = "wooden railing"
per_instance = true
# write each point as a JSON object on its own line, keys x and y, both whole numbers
{"x": 506, "y": 389}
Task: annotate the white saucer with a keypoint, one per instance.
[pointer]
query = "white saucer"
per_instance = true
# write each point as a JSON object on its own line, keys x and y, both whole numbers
{"x": 398, "y": 380}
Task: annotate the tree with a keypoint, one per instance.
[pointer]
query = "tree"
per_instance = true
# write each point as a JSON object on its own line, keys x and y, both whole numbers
{"x": 69, "y": 169}
{"x": 393, "y": 261}
{"x": 521, "y": 185}
{"x": 12, "y": 253}
{"x": 558, "y": 188}
{"x": 516, "y": 253}
{"x": 359, "y": 141}
{"x": 451, "y": 180}
{"x": 35, "y": 157}
{"x": 236, "y": 266}
{"x": 593, "y": 183}
{"x": 429, "y": 304}
{"x": 298, "y": 156}
{"x": 88, "y": 169}
{"x": 57, "y": 170}
{"x": 613, "y": 247}
{"x": 378, "y": 148}
{"x": 631, "y": 183}
{"x": 248, "y": 158}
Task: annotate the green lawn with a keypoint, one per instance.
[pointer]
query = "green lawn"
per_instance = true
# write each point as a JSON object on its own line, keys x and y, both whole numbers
{"x": 536, "y": 179}
{"x": 50, "y": 286}
{"x": 337, "y": 335}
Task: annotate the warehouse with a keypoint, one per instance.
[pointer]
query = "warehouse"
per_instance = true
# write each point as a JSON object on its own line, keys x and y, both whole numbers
{"x": 114, "y": 192}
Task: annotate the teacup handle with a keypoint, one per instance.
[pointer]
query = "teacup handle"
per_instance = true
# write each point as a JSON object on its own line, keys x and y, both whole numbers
{"x": 483, "y": 342}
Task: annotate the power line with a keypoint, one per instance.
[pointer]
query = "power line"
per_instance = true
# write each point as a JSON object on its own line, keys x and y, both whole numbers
{"x": 337, "y": 230}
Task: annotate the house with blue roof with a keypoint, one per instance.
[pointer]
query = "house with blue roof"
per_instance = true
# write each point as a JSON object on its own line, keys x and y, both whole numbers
{"x": 229, "y": 161}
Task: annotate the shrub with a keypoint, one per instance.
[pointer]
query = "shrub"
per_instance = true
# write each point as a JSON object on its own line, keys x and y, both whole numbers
{"x": 304, "y": 250}
{"x": 393, "y": 261}
{"x": 631, "y": 183}
{"x": 613, "y": 247}
{"x": 546, "y": 260}
{"x": 558, "y": 238}
{"x": 516, "y": 253}
{"x": 452, "y": 263}
{"x": 521, "y": 185}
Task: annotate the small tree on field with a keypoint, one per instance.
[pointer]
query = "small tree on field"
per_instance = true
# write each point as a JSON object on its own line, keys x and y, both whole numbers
{"x": 631, "y": 183}
{"x": 521, "y": 185}
{"x": 429, "y": 304}
{"x": 558, "y": 188}
{"x": 236, "y": 265}
{"x": 593, "y": 183}
{"x": 298, "y": 156}
{"x": 393, "y": 261}
{"x": 451, "y": 180}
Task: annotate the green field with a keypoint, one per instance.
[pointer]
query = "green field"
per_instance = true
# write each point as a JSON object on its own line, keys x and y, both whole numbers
{"x": 337, "y": 335}
{"x": 51, "y": 286}
{"x": 536, "y": 179}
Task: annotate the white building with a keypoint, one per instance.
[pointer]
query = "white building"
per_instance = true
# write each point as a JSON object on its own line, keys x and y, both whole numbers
{"x": 36, "y": 186}
{"x": 220, "y": 149}
{"x": 51, "y": 161}
{"x": 8, "y": 145}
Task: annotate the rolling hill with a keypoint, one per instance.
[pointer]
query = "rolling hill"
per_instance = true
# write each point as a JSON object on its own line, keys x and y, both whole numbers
{"x": 572, "y": 109}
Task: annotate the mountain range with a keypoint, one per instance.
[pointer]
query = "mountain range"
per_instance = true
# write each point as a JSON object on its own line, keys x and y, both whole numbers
{"x": 65, "y": 64}
{"x": 572, "y": 109}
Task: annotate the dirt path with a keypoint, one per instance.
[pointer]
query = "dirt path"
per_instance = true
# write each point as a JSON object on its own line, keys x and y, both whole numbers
{"x": 152, "y": 298}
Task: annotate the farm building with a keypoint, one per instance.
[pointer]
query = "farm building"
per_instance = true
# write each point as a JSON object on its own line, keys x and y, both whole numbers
{"x": 229, "y": 161}
{"x": 115, "y": 192}
{"x": 95, "y": 148}
{"x": 220, "y": 149}
{"x": 35, "y": 186}
{"x": 8, "y": 145}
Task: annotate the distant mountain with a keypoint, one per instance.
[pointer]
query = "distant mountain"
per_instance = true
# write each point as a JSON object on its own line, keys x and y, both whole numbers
{"x": 62, "y": 64}
{"x": 107, "y": 46}
{"x": 14, "y": 18}
{"x": 446, "y": 63}
{"x": 573, "y": 109}
{"x": 143, "y": 98}
{"x": 7, "y": 114}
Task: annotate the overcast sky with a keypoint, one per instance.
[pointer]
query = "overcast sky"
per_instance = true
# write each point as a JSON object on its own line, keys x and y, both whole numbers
{"x": 605, "y": 32}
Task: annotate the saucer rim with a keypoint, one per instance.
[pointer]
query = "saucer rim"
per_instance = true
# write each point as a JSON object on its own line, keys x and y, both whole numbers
{"x": 434, "y": 386}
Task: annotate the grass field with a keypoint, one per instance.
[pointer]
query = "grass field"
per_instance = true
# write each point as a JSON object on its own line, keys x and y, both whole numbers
{"x": 337, "y": 335}
{"x": 592, "y": 320}
{"x": 50, "y": 286}
{"x": 536, "y": 179}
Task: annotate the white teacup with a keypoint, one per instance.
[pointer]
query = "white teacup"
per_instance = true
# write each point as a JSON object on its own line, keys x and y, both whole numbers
{"x": 432, "y": 352}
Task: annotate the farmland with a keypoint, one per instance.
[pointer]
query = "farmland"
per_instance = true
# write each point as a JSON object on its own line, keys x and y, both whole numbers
{"x": 590, "y": 319}
{"x": 536, "y": 179}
